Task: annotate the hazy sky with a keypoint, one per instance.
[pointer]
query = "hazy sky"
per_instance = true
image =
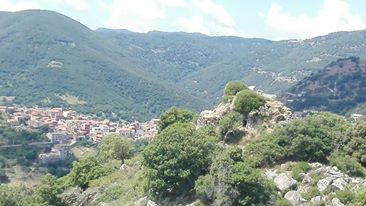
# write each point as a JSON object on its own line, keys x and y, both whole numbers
{"x": 273, "y": 19}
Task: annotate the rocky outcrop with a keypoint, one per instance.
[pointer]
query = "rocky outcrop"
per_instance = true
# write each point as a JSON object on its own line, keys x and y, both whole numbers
{"x": 273, "y": 112}
{"x": 212, "y": 117}
{"x": 321, "y": 181}
{"x": 77, "y": 197}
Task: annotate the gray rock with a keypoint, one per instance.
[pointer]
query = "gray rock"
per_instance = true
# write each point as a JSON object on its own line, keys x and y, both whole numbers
{"x": 306, "y": 179}
{"x": 141, "y": 201}
{"x": 270, "y": 174}
{"x": 283, "y": 182}
{"x": 339, "y": 184}
{"x": 151, "y": 203}
{"x": 303, "y": 189}
{"x": 337, "y": 202}
{"x": 315, "y": 165}
{"x": 324, "y": 183}
{"x": 294, "y": 197}
{"x": 316, "y": 200}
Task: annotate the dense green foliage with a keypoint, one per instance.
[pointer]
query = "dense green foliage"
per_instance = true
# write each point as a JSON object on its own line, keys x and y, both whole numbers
{"x": 231, "y": 89}
{"x": 347, "y": 164}
{"x": 48, "y": 191}
{"x": 175, "y": 158}
{"x": 247, "y": 101}
{"x": 175, "y": 115}
{"x": 89, "y": 167}
{"x": 311, "y": 139}
{"x": 232, "y": 182}
{"x": 116, "y": 147}
{"x": 355, "y": 142}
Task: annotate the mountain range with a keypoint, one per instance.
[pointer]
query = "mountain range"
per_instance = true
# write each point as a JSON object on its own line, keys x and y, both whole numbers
{"x": 48, "y": 59}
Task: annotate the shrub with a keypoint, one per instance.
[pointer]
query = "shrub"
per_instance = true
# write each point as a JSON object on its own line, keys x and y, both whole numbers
{"x": 229, "y": 122}
{"x": 310, "y": 139}
{"x": 345, "y": 196}
{"x": 231, "y": 89}
{"x": 247, "y": 101}
{"x": 360, "y": 198}
{"x": 232, "y": 182}
{"x": 347, "y": 164}
{"x": 298, "y": 168}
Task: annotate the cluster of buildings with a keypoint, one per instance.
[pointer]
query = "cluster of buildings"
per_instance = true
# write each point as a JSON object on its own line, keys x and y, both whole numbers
{"x": 67, "y": 127}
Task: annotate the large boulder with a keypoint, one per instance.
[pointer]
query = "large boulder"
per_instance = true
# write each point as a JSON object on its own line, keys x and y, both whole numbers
{"x": 324, "y": 183}
{"x": 283, "y": 182}
{"x": 339, "y": 184}
{"x": 212, "y": 117}
{"x": 295, "y": 198}
{"x": 337, "y": 202}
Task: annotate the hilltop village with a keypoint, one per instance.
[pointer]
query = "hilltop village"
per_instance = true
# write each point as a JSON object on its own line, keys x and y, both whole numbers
{"x": 67, "y": 127}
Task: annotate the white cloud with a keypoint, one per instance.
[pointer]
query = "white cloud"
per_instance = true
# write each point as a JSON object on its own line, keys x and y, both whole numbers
{"x": 193, "y": 24}
{"x": 77, "y": 4}
{"x": 146, "y": 15}
{"x": 6, "y": 5}
{"x": 136, "y": 15}
{"x": 335, "y": 15}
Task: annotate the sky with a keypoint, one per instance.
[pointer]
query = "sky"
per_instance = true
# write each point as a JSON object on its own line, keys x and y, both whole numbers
{"x": 271, "y": 19}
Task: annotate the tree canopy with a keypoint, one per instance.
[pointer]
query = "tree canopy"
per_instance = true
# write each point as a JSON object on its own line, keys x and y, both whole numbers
{"x": 247, "y": 101}
{"x": 176, "y": 158}
{"x": 174, "y": 115}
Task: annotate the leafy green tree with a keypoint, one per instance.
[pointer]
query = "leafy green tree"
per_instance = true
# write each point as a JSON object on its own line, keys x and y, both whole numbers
{"x": 116, "y": 147}
{"x": 89, "y": 167}
{"x": 232, "y": 88}
{"x": 175, "y": 115}
{"x": 247, "y": 101}
{"x": 232, "y": 182}
{"x": 47, "y": 192}
{"x": 175, "y": 158}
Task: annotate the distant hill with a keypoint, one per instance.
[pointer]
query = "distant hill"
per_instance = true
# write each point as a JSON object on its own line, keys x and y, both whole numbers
{"x": 339, "y": 87}
{"x": 48, "y": 59}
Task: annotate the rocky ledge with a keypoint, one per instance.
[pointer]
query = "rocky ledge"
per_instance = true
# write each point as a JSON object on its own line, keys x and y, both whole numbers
{"x": 318, "y": 186}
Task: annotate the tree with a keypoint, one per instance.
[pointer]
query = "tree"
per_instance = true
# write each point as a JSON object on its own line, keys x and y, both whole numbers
{"x": 176, "y": 158}
{"x": 232, "y": 88}
{"x": 89, "y": 167}
{"x": 232, "y": 182}
{"x": 116, "y": 147}
{"x": 175, "y": 115}
{"x": 47, "y": 192}
{"x": 247, "y": 101}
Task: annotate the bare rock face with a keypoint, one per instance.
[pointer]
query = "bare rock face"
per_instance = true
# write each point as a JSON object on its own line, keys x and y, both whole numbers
{"x": 273, "y": 112}
{"x": 212, "y": 117}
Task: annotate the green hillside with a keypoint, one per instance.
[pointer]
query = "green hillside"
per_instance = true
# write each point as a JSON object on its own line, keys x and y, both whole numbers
{"x": 339, "y": 88}
{"x": 48, "y": 59}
